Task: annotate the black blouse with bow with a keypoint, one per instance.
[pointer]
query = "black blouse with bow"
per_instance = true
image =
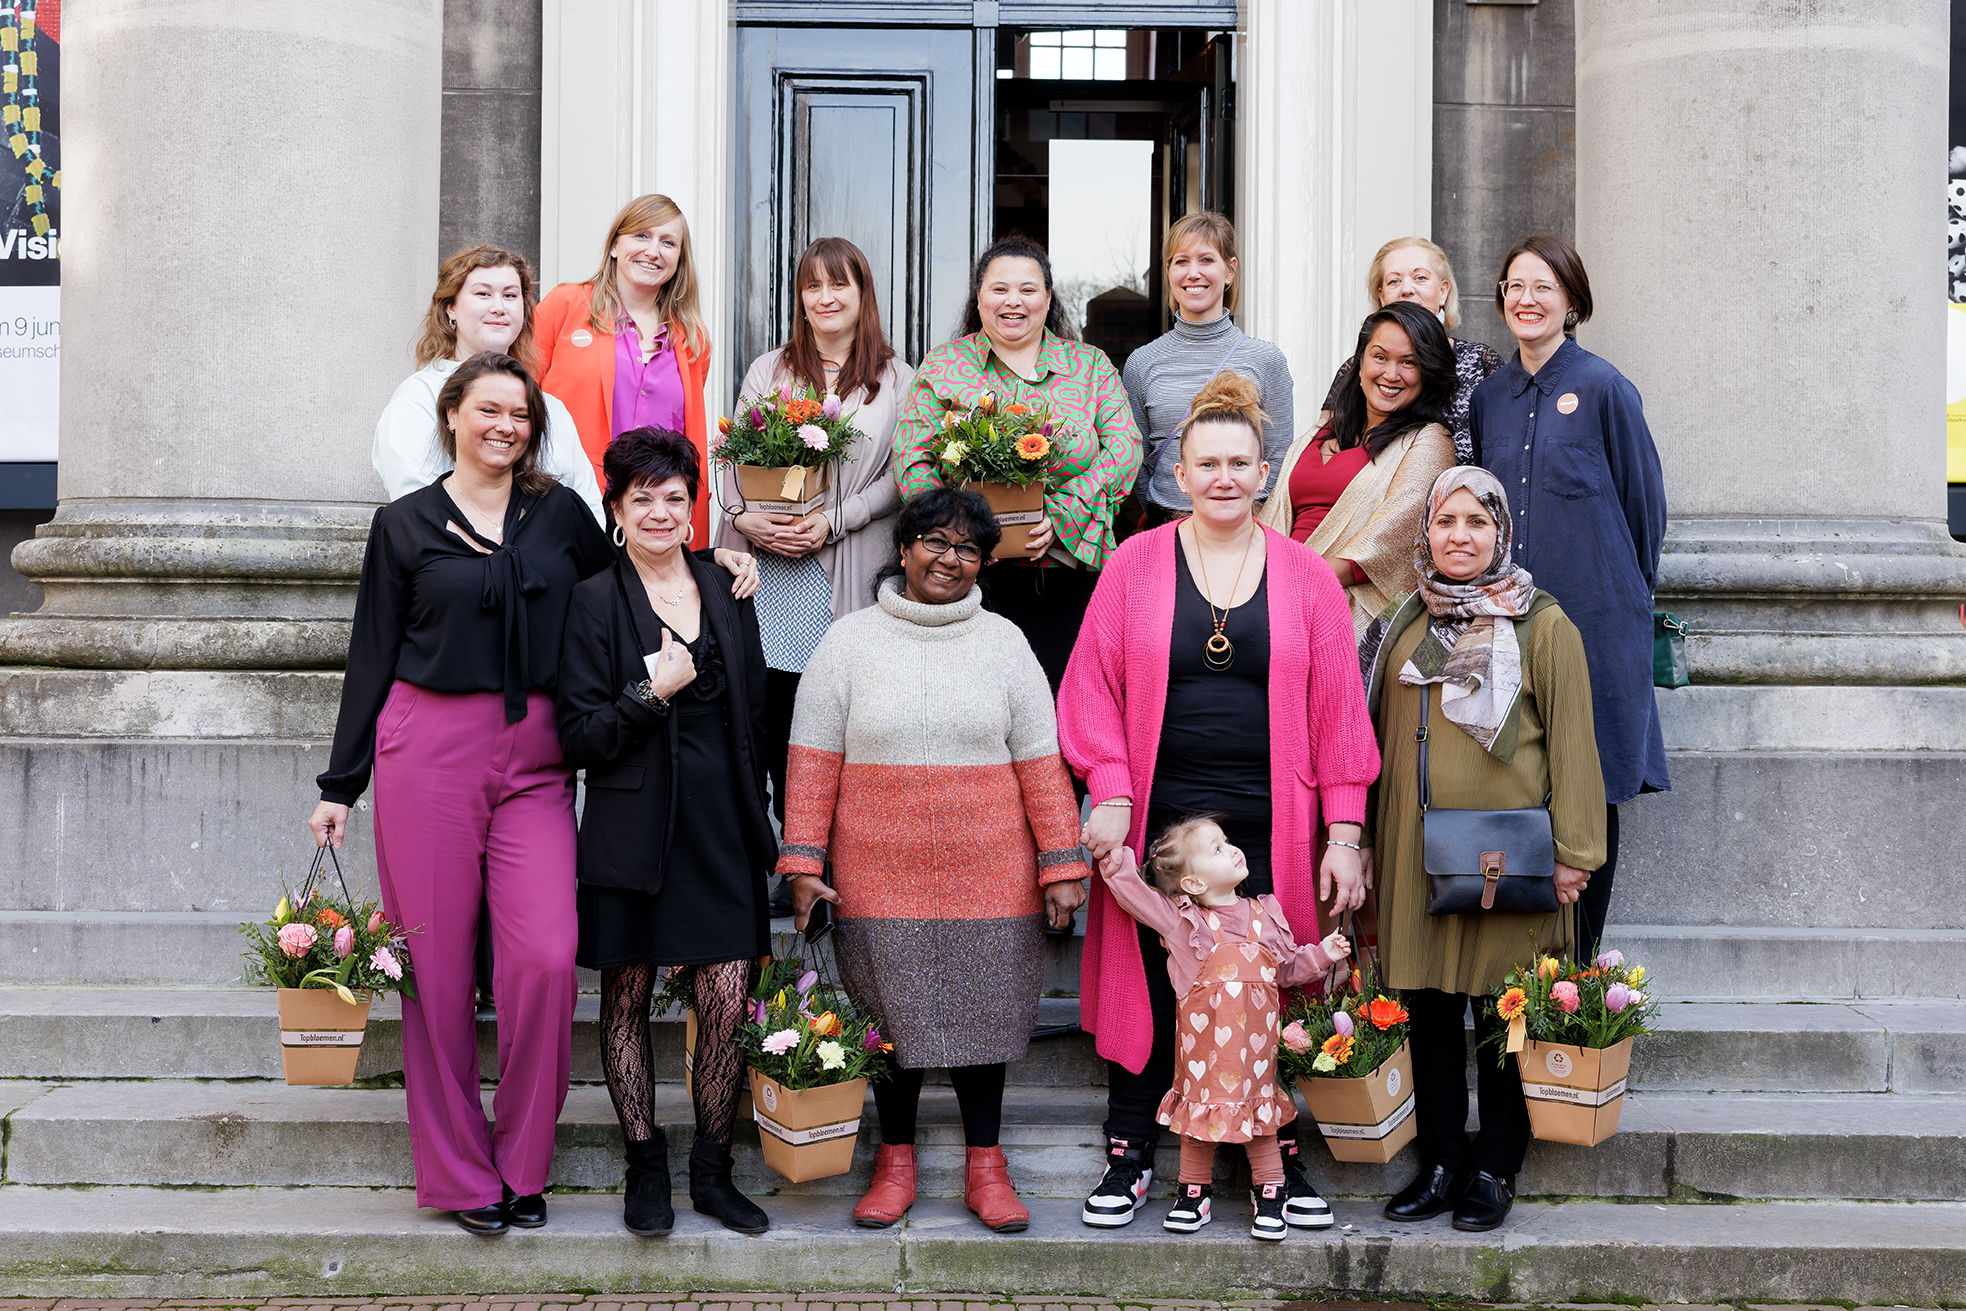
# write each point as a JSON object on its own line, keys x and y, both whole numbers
{"x": 457, "y": 615}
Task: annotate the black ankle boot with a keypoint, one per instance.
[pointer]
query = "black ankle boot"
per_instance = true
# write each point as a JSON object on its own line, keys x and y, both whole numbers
{"x": 711, "y": 1192}
{"x": 646, "y": 1207}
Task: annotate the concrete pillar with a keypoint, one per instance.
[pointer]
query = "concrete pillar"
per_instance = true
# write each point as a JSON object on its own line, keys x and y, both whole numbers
{"x": 491, "y": 125}
{"x": 250, "y": 224}
{"x": 1754, "y": 203}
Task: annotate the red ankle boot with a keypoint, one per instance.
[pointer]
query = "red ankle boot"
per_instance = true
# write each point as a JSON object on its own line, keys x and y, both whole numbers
{"x": 987, "y": 1191}
{"x": 892, "y": 1191}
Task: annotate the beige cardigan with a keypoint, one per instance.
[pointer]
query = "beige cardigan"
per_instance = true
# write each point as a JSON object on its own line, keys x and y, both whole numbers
{"x": 862, "y": 499}
{"x": 1376, "y": 522}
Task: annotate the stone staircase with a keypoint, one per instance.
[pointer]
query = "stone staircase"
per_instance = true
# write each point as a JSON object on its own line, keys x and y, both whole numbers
{"x": 1796, "y": 1131}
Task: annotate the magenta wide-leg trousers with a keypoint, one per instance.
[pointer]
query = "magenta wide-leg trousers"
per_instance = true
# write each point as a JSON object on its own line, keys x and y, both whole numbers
{"x": 471, "y": 808}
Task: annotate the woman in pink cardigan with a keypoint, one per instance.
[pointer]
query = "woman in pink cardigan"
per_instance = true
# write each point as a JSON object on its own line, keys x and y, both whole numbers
{"x": 1216, "y": 673}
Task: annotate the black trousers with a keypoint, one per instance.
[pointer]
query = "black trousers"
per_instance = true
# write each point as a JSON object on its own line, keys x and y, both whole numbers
{"x": 1440, "y": 1088}
{"x": 1047, "y": 605}
{"x": 781, "y": 693}
{"x": 1595, "y": 904}
{"x": 1132, "y": 1100}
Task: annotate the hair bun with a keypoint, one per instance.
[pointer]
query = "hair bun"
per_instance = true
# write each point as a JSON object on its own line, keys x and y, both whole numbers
{"x": 1228, "y": 396}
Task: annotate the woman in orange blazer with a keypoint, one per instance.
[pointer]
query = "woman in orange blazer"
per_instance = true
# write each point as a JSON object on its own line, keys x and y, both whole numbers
{"x": 627, "y": 349}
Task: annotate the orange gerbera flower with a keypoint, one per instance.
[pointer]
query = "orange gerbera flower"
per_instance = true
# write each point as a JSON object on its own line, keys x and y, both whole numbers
{"x": 1384, "y": 1013}
{"x": 827, "y": 1024}
{"x": 1033, "y": 446}
{"x": 1339, "y": 1047}
{"x": 1513, "y": 1003}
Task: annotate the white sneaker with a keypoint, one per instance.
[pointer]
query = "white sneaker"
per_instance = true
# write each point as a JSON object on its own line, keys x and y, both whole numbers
{"x": 1193, "y": 1207}
{"x": 1268, "y": 1223}
{"x": 1122, "y": 1190}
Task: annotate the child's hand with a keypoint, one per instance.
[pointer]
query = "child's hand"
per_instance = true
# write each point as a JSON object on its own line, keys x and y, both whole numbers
{"x": 1337, "y": 948}
{"x": 1117, "y": 862}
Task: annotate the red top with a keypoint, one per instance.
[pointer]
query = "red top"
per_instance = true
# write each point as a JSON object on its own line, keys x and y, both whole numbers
{"x": 1316, "y": 484}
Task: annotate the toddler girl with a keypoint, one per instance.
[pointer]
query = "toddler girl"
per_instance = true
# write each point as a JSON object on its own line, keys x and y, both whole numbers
{"x": 1228, "y": 956}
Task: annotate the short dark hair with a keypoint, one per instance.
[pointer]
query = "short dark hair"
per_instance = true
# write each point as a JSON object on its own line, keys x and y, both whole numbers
{"x": 1014, "y": 246}
{"x": 1432, "y": 351}
{"x": 653, "y": 456}
{"x": 941, "y": 507}
{"x": 527, "y": 475}
{"x": 1564, "y": 261}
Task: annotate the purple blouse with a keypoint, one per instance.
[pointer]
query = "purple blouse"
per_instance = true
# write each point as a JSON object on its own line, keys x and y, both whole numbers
{"x": 647, "y": 394}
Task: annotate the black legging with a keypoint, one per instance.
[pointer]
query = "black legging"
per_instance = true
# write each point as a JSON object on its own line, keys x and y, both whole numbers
{"x": 1595, "y": 904}
{"x": 979, "y": 1095}
{"x": 718, "y": 993}
{"x": 1047, "y": 604}
{"x": 1440, "y": 1085}
{"x": 781, "y": 694}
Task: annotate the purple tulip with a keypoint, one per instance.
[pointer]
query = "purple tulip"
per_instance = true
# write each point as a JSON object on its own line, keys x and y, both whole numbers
{"x": 1046, "y": 430}
{"x": 1617, "y": 997}
{"x": 1341, "y": 1022}
{"x": 830, "y": 407}
{"x": 755, "y": 416}
{"x": 757, "y": 1009}
{"x": 1608, "y": 959}
{"x": 872, "y": 1042}
{"x": 806, "y": 982}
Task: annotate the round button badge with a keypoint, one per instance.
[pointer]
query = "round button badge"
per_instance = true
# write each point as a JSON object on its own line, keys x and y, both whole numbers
{"x": 582, "y": 337}
{"x": 1559, "y": 1063}
{"x": 1567, "y": 403}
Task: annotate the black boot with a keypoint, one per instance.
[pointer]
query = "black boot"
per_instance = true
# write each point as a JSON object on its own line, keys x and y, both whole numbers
{"x": 646, "y": 1208}
{"x": 1485, "y": 1203}
{"x": 712, "y": 1193}
{"x": 1435, "y": 1189}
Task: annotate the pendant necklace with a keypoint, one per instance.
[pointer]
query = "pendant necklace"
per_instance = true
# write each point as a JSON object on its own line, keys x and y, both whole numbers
{"x": 1218, "y": 652}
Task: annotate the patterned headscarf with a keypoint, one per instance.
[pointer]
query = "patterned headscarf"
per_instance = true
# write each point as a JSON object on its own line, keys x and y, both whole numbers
{"x": 1475, "y": 659}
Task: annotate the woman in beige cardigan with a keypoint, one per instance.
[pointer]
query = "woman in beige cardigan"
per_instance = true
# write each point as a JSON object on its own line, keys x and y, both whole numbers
{"x": 819, "y": 567}
{"x": 1355, "y": 491}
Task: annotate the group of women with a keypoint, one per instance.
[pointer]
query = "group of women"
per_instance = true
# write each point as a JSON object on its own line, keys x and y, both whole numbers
{"x": 557, "y": 586}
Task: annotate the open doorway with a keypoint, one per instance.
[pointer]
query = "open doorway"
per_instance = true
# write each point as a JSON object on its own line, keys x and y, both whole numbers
{"x": 1104, "y": 137}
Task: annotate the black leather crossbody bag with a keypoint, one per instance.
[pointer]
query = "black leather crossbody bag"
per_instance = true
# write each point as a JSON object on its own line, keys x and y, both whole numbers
{"x": 1481, "y": 860}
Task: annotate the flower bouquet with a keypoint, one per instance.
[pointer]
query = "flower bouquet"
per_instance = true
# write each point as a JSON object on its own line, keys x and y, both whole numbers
{"x": 783, "y": 445}
{"x": 1570, "y": 1028}
{"x": 1349, "y": 1057}
{"x": 1004, "y": 453}
{"x": 811, "y": 1052}
{"x": 327, "y": 958}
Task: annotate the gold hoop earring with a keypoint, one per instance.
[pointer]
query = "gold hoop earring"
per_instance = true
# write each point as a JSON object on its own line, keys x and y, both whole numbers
{"x": 619, "y": 539}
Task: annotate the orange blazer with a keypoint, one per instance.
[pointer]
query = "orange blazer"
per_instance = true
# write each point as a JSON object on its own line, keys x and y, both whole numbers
{"x": 576, "y": 364}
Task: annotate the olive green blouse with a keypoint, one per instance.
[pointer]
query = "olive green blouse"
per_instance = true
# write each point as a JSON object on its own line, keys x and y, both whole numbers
{"x": 1555, "y": 753}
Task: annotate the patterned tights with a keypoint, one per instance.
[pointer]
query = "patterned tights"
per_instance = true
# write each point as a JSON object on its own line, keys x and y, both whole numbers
{"x": 718, "y": 993}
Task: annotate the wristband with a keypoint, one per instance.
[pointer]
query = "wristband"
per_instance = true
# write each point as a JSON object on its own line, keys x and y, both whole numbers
{"x": 1333, "y": 842}
{"x": 1123, "y": 803}
{"x": 645, "y": 692}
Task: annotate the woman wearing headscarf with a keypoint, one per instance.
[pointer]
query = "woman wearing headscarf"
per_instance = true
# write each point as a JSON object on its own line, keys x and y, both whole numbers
{"x": 1508, "y": 702}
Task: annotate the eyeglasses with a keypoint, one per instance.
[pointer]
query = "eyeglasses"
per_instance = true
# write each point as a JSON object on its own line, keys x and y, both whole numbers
{"x": 1395, "y": 283}
{"x": 1514, "y": 287}
{"x": 940, "y": 545}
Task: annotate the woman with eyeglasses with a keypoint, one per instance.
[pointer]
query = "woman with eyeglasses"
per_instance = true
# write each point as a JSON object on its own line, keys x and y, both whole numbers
{"x": 1415, "y": 269}
{"x": 925, "y": 770}
{"x": 1565, "y": 433}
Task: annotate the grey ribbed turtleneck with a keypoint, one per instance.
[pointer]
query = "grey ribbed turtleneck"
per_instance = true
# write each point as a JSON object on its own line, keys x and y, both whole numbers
{"x": 1163, "y": 376}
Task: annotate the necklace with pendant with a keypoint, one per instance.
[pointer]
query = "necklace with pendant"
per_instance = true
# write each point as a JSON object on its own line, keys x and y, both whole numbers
{"x": 1218, "y": 652}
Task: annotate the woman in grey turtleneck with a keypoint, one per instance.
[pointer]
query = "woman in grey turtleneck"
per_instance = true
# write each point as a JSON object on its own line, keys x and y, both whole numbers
{"x": 1163, "y": 376}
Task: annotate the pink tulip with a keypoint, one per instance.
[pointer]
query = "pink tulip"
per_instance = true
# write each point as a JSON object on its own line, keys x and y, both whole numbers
{"x": 830, "y": 407}
{"x": 1617, "y": 997}
{"x": 1295, "y": 1038}
{"x": 298, "y": 939}
{"x": 1608, "y": 959}
{"x": 1566, "y": 997}
{"x": 375, "y": 922}
{"x": 806, "y": 982}
{"x": 1341, "y": 1023}
{"x": 344, "y": 941}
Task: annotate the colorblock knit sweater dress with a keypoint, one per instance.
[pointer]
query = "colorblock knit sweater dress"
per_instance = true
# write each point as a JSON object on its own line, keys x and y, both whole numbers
{"x": 925, "y": 767}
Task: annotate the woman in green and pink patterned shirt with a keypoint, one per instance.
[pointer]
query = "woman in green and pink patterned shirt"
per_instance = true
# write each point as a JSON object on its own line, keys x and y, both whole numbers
{"x": 1016, "y": 343}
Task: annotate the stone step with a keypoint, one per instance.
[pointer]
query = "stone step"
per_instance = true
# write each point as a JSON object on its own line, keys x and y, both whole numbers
{"x": 240, "y": 1244}
{"x": 1673, "y": 1146}
{"x": 203, "y": 949}
{"x": 186, "y": 949}
{"x": 116, "y": 1033}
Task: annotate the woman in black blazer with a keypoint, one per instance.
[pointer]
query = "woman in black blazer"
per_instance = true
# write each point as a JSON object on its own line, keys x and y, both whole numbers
{"x": 661, "y": 698}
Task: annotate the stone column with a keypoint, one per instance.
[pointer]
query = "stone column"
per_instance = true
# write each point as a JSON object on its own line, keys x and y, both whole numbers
{"x": 250, "y": 230}
{"x": 1756, "y": 191}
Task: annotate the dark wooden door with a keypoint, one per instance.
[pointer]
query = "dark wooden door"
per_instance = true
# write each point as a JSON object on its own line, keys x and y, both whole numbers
{"x": 1198, "y": 152}
{"x": 860, "y": 133}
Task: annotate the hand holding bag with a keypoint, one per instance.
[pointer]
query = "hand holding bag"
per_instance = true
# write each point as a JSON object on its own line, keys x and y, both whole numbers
{"x": 1482, "y": 860}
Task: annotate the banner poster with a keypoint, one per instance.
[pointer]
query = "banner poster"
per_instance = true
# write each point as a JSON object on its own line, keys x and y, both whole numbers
{"x": 30, "y": 227}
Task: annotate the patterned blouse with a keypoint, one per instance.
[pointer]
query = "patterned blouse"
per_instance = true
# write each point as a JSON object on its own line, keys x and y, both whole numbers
{"x": 1473, "y": 362}
{"x": 1096, "y": 461}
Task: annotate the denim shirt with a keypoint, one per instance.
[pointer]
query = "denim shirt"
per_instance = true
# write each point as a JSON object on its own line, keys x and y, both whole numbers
{"x": 1572, "y": 449}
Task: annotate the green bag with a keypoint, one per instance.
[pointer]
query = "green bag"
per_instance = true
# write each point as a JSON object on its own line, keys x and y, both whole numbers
{"x": 1669, "y": 650}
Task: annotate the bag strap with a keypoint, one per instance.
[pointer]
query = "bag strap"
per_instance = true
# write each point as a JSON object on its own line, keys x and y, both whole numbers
{"x": 322, "y": 857}
{"x": 1363, "y": 957}
{"x": 1420, "y": 737}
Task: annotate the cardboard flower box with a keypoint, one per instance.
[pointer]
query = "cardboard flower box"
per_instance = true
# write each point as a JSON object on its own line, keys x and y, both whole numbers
{"x": 807, "y": 1133}
{"x": 320, "y": 1035}
{"x": 794, "y": 489}
{"x": 1019, "y": 510}
{"x": 1369, "y": 1118}
{"x": 1575, "y": 1094}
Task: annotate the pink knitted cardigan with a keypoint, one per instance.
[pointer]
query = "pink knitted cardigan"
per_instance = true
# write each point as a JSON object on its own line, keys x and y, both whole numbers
{"x": 1323, "y": 755}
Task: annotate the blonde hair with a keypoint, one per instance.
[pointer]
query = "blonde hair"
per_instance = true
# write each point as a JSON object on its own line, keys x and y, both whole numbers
{"x": 1167, "y": 858}
{"x": 1203, "y": 226}
{"x": 438, "y": 340}
{"x": 1450, "y": 313}
{"x": 675, "y": 300}
{"x": 1227, "y": 398}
